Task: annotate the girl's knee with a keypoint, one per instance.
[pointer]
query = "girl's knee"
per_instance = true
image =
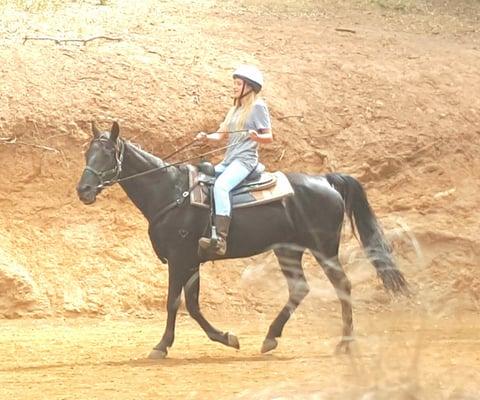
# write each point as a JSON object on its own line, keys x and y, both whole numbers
{"x": 222, "y": 184}
{"x": 220, "y": 188}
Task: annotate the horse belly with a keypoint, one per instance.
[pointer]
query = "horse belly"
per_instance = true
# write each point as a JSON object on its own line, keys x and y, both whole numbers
{"x": 256, "y": 229}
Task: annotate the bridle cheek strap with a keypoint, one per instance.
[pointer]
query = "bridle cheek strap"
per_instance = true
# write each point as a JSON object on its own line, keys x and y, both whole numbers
{"x": 109, "y": 177}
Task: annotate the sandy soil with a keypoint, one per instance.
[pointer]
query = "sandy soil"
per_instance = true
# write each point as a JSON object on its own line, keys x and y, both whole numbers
{"x": 97, "y": 359}
{"x": 394, "y": 103}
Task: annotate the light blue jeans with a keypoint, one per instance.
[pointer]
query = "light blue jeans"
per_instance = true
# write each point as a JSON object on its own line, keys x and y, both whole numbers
{"x": 229, "y": 176}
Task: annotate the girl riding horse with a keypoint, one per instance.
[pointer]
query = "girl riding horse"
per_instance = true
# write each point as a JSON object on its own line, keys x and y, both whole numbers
{"x": 247, "y": 124}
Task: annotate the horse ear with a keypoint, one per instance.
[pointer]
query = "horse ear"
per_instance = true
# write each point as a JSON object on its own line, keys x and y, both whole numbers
{"x": 114, "y": 131}
{"x": 96, "y": 132}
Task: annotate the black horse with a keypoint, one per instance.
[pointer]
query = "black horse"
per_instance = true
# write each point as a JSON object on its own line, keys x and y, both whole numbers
{"x": 310, "y": 219}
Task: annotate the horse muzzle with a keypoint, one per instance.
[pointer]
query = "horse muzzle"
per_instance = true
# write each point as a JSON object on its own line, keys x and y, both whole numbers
{"x": 87, "y": 194}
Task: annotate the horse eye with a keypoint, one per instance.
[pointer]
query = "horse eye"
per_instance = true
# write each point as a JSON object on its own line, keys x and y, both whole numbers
{"x": 106, "y": 150}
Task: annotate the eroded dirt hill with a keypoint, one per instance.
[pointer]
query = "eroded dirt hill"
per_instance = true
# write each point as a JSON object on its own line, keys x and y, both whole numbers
{"x": 394, "y": 103}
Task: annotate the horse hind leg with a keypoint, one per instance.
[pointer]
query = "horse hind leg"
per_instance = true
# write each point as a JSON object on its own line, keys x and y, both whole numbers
{"x": 328, "y": 259}
{"x": 291, "y": 265}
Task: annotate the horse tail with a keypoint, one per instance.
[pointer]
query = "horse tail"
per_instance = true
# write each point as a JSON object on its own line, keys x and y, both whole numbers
{"x": 372, "y": 237}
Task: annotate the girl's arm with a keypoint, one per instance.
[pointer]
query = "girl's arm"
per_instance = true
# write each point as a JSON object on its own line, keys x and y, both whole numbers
{"x": 219, "y": 135}
{"x": 264, "y": 137}
{"x": 215, "y": 136}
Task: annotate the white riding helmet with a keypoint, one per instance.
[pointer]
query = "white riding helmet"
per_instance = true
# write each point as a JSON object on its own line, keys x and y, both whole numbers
{"x": 251, "y": 75}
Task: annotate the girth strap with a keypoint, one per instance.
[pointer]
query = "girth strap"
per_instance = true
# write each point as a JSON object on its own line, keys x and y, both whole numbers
{"x": 176, "y": 203}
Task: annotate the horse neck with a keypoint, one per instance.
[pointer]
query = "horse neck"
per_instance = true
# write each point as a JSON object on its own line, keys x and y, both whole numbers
{"x": 151, "y": 191}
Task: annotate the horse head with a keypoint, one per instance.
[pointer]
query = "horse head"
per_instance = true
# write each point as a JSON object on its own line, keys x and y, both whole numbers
{"x": 103, "y": 163}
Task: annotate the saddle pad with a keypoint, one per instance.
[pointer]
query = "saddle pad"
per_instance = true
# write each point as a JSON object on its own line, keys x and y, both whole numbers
{"x": 282, "y": 188}
{"x": 265, "y": 181}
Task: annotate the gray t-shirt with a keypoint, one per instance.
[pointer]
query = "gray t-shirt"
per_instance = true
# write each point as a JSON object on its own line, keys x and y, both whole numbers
{"x": 242, "y": 148}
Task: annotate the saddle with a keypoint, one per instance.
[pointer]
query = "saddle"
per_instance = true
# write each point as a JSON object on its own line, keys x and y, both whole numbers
{"x": 258, "y": 188}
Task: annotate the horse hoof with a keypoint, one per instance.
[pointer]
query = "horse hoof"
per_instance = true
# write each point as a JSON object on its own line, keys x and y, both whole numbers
{"x": 343, "y": 347}
{"x": 269, "y": 345}
{"x": 232, "y": 341}
{"x": 156, "y": 354}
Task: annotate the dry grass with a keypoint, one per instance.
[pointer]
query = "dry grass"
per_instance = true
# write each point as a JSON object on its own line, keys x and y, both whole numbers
{"x": 32, "y": 5}
{"x": 313, "y": 7}
{"x": 398, "y": 5}
{"x": 42, "y": 5}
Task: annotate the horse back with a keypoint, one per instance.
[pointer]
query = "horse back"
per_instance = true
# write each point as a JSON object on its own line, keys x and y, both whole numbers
{"x": 315, "y": 200}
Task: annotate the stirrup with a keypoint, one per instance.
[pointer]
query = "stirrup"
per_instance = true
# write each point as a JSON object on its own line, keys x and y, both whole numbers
{"x": 207, "y": 243}
{"x": 221, "y": 247}
{"x": 215, "y": 246}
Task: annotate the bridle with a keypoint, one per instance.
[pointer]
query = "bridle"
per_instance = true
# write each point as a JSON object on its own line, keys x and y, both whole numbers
{"x": 110, "y": 176}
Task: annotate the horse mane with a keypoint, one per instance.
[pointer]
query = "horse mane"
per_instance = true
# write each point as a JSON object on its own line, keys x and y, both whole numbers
{"x": 148, "y": 157}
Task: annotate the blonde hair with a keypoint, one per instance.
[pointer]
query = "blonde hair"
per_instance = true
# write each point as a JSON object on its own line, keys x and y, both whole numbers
{"x": 245, "y": 106}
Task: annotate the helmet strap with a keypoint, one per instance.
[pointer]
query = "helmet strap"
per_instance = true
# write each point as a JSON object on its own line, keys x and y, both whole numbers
{"x": 242, "y": 94}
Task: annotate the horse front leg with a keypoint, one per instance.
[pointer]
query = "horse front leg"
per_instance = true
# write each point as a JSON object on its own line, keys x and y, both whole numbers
{"x": 173, "y": 302}
{"x": 192, "y": 291}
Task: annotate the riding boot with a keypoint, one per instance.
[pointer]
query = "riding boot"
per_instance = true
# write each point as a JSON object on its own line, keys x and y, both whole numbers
{"x": 222, "y": 222}
{"x": 219, "y": 245}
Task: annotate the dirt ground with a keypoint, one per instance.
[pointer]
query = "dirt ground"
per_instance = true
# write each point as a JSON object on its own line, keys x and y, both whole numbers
{"x": 385, "y": 90}
{"x": 397, "y": 356}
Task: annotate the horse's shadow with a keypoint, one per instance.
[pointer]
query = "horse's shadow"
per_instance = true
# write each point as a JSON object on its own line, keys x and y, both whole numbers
{"x": 166, "y": 362}
{"x": 203, "y": 360}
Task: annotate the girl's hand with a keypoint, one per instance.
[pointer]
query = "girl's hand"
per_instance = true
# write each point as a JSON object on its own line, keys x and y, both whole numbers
{"x": 201, "y": 136}
{"x": 253, "y": 135}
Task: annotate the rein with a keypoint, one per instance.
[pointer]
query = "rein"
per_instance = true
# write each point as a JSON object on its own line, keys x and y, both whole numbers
{"x": 119, "y": 157}
{"x": 194, "y": 141}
